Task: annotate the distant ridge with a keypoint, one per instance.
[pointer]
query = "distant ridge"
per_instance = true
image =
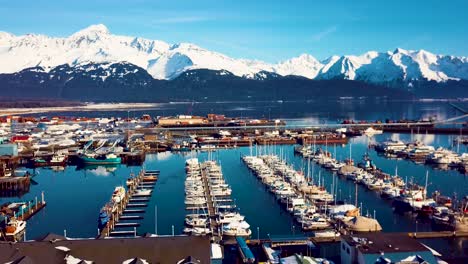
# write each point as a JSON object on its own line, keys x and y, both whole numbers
{"x": 129, "y": 83}
{"x": 93, "y": 58}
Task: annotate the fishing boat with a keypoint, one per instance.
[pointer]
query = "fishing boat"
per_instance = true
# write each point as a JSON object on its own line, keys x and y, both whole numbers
{"x": 119, "y": 194}
{"x": 14, "y": 227}
{"x": 93, "y": 158}
{"x": 441, "y": 217}
{"x": 426, "y": 211}
{"x": 390, "y": 192}
{"x": 58, "y": 159}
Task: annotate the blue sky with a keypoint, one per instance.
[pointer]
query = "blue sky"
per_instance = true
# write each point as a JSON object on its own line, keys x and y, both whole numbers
{"x": 267, "y": 30}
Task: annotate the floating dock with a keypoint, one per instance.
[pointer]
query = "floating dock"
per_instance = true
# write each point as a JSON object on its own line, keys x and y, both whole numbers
{"x": 209, "y": 201}
{"x": 122, "y": 213}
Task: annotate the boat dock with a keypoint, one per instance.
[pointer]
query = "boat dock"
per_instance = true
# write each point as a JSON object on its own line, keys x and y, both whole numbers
{"x": 437, "y": 234}
{"x": 135, "y": 185}
{"x": 13, "y": 186}
{"x": 25, "y": 210}
{"x": 210, "y": 203}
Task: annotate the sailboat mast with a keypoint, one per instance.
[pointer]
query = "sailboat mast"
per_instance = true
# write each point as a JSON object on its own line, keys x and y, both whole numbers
{"x": 425, "y": 186}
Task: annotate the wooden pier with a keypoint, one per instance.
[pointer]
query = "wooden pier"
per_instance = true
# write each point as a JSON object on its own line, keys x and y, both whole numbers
{"x": 32, "y": 208}
{"x": 12, "y": 186}
{"x": 437, "y": 234}
{"x": 122, "y": 213}
{"x": 209, "y": 202}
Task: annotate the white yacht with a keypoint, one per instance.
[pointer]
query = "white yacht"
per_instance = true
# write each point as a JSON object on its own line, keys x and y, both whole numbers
{"x": 443, "y": 156}
{"x": 230, "y": 217}
{"x": 119, "y": 194}
{"x": 237, "y": 228}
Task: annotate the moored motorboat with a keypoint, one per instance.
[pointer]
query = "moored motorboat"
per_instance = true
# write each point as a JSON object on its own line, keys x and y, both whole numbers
{"x": 103, "y": 217}
{"x": 119, "y": 194}
{"x": 237, "y": 228}
{"x": 14, "y": 227}
{"x": 327, "y": 233}
{"x": 143, "y": 192}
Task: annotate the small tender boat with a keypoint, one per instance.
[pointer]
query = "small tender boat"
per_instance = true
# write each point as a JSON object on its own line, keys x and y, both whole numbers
{"x": 119, "y": 194}
{"x": 143, "y": 192}
{"x": 150, "y": 178}
{"x": 58, "y": 159}
{"x": 130, "y": 182}
{"x": 103, "y": 218}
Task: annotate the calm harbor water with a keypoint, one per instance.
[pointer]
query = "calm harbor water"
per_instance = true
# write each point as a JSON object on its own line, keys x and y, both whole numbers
{"x": 75, "y": 196}
{"x": 303, "y": 112}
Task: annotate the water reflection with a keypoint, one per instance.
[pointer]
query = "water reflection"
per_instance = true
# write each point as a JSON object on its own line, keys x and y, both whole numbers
{"x": 101, "y": 170}
{"x": 427, "y": 139}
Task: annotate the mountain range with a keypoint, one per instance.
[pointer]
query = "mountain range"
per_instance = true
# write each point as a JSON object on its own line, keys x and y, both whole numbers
{"x": 93, "y": 55}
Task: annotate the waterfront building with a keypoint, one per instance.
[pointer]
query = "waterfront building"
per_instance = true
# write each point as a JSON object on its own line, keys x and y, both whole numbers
{"x": 368, "y": 248}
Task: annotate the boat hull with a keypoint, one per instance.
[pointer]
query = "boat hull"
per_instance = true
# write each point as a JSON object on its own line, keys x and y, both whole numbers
{"x": 93, "y": 161}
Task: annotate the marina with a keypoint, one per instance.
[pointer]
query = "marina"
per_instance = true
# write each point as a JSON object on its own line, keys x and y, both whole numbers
{"x": 211, "y": 196}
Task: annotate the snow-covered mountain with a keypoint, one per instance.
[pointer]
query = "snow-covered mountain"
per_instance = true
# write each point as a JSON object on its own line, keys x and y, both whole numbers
{"x": 96, "y": 45}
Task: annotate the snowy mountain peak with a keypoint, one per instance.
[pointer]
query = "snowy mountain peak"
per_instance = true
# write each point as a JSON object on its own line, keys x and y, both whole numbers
{"x": 5, "y": 36}
{"x": 307, "y": 57}
{"x": 98, "y": 29}
{"x": 304, "y": 65}
{"x": 400, "y": 50}
{"x": 90, "y": 34}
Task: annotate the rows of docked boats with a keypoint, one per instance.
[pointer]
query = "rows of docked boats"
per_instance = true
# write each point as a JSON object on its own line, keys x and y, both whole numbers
{"x": 137, "y": 186}
{"x": 420, "y": 152}
{"x": 406, "y": 196}
{"x": 394, "y": 187}
{"x": 208, "y": 199}
{"x": 310, "y": 205}
{"x": 51, "y": 143}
